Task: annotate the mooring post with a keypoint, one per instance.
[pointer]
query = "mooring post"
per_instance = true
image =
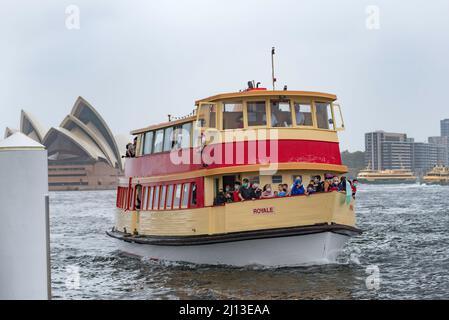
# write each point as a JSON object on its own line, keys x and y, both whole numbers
{"x": 24, "y": 220}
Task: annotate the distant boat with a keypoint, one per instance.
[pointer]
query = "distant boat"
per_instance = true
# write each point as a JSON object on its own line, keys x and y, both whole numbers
{"x": 438, "y": 175}
{"x": 386, "y": 176}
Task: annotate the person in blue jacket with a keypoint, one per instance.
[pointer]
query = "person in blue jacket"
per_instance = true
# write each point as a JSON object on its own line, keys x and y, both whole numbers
{"x": 297, "y": 187}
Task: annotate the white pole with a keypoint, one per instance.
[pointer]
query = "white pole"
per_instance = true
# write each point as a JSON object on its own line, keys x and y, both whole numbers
{"x": 24, "y": 222}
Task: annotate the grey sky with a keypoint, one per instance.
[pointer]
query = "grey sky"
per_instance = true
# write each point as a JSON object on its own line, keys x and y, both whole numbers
{"x": 137, "y": 61}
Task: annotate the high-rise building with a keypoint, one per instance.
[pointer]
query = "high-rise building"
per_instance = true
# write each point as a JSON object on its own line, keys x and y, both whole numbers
{"x": 444, "y": 125}
{"x": 426, "y": 156}
{"x": 387, "y": 150}
{"x": 443, "y": 143}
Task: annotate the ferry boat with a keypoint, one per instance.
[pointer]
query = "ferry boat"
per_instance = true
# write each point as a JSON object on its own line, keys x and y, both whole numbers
{"x": 165, "y": 202}
{"x": 386, "y": 176}
{"x": 438, "y": 175}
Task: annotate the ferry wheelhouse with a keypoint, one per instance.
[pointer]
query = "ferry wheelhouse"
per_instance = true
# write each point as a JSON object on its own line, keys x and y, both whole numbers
{"x": 165, "y": 203}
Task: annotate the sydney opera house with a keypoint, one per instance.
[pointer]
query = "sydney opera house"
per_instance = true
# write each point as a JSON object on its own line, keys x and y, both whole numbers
{"x": 82, "y": 152}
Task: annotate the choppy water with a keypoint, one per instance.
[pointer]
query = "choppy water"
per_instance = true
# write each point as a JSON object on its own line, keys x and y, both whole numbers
{"x": 406, "y": 240}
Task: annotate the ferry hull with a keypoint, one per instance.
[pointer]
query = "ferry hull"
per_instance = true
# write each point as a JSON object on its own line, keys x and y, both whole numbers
{"x": 308, "y": 249}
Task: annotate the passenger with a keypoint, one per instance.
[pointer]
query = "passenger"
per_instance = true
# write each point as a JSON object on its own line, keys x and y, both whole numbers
{"x": 267, "y": 191}
{"x": 229, "y": 197}
{"x": 311, "y": 187}
{"x": 256, "y": 192}
{"x": 236, "y": 192}
{"x": 285, "y": 188}
{"x": 281, "y": 191}
{"x": 245, "y": 191}
{"x": 342, "y": 184}
{"x": 298, "y": 187}
{"x": 275, "y": 194}
{"x": 220, "y": 199}
{"x": 354, "y": 184}
{"x": 335, "y": 184}
{"x": 327, "y": 182}
{"x": 318, "y": 184}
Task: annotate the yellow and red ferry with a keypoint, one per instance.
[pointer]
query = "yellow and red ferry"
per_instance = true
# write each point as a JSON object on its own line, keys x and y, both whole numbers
{"x": 165, "y": 202}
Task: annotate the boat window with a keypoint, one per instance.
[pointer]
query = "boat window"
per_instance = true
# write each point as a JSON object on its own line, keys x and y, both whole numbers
{"x": 143, "y": 198}
{"x": 257, "y": 113}
{"x": 169, "y": 196}
{"x": 156, "y": 197}
{"x": 185, "y": 195}
{"x": 253, "y": 179}
{"x": 177, "y": 198}
{"x": 303, "y": 113}
{"x": 168, "y": 139}
{"x": 276, "y": 179}
{"x": 281, "y": 114}
{"x": 184, "y": 136}
{"x": 193, "y": 196}
{"x": 150, "y": 198}
{"x": 233, "y": 115}
{"x": 207, "y": 115}
{"x": 323, "y": 115}
{"x": 339, "y": 124}
{"x": 148, "y": 142}
{"x": 162, "y": 199}
{"x": 158, "y": 141}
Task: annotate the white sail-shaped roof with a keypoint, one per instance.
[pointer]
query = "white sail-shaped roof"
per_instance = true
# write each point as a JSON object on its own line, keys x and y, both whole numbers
{"x": 84, "y": 112}
{"x": 64, "y": 145}
{"x": 9, "y": 132}
{"x": 31, "y": 127}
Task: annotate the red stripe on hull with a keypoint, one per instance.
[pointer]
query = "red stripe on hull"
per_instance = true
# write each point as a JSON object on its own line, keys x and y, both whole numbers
{"x": 254, "y": 153}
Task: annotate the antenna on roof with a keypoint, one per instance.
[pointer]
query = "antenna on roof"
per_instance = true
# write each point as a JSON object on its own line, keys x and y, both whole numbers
{"x": 272, "y": 68}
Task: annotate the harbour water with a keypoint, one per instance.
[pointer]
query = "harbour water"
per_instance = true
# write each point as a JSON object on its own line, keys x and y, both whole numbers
{"x": 402, "y": 254}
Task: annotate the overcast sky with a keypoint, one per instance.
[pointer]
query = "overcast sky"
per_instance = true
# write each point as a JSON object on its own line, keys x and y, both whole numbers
{"x": 136, "y": 61}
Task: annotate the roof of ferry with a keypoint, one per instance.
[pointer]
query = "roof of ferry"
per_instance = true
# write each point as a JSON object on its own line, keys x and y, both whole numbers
{"x": 260, "y": 92}
{"x": 267, "y": 93}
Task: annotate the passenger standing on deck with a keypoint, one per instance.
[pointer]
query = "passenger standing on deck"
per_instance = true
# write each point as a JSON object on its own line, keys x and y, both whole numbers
{"x": 342, "y": 184}
{"x": 236, "y": 192}
{"x": 318, "y": 184}
{"x": 245, "y": 191}
{"x": 354, "y": 187}
{"x": 281, "y": 192}
{"x": 256, "y": 192}
{"x": 267, "y": 191}
{"x": 297, "y": 187}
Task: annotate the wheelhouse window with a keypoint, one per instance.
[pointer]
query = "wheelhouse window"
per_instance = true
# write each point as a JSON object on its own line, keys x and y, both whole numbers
{"x": 276, "y": 179}
{"x": 148, "y": 142}
{"x": 207, "y": 115}
{"x": 232, "y": 115}
{"x": 158, "y": 141}
{"x": 185, "y": 195}
{"x": 168, "y": 139}
{"x": 257, "y": 113}
{"x": 303, "y": 113}
{"x": 281, "y": 114}
{"x": 324, "y": 115}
